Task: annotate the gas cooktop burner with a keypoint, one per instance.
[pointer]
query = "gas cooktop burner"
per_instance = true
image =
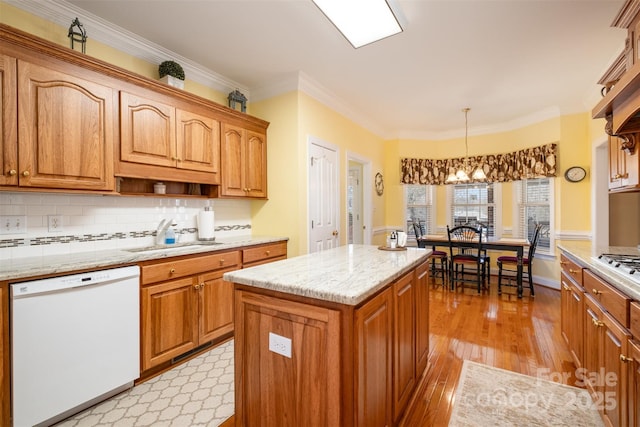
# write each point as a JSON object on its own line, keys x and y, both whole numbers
{"x": 629, "y": 264}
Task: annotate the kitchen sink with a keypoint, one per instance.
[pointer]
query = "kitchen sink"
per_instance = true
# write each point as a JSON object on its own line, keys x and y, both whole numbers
{"x": 165, "y": 248}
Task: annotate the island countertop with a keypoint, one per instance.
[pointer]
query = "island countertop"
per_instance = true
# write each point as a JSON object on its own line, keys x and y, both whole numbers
{"x": 346, "y": 274}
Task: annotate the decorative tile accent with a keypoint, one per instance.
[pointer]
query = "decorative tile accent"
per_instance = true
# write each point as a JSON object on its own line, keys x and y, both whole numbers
{"x": 54, "y": 240}
{"x": 197, "y": 393}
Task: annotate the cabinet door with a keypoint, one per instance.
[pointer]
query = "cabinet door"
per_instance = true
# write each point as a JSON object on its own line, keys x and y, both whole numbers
{"x": 169, "y": 321}
{"x": 422, "y": 318}
{"x": 404, "y": 348}
{"x": 147, "y": 131}
{"x": 274, "y": 389}
{"x": 256, "y": 164}
{"x": 634, "y": 383}
{"x": 592, "y": 345}
{"x": 215, "y": 297}
{"x": 374, "y": 338}
{"x": 572, "y": 318}
{"x": 233, "y": 164}
{"x": 65, "y": 128}
{"x": 617, "y": 164}
{"x": 8, "y": 121}
{"x": 614, "y": 384}
{"x": 198, "y": 143}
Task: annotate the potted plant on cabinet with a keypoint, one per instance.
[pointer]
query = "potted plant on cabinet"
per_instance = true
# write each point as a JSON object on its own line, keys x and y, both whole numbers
{"x": 172, "y": 74}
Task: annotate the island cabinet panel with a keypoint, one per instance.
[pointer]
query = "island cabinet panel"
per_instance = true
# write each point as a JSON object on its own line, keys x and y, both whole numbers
{"x": 5, "y": 355}
{"x": 8, "y": 121}
{"x": 374, "y": 355}
{"x": 404, "y": 348}
{"x": 422, "y": 317}
{"x": 65, "y": 128}
{"x": 272, "y": 389}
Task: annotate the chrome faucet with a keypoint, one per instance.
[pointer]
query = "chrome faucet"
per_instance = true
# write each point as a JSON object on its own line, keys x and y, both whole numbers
{"x": 161, "y": 231}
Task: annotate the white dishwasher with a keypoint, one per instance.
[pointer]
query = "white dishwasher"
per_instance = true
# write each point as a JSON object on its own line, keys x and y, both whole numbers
{"x": 75, "y": 341}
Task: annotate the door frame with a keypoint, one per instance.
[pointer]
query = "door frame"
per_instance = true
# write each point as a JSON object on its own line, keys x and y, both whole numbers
{"x": 367, "y": 203}
{"x": 313, "y": 140}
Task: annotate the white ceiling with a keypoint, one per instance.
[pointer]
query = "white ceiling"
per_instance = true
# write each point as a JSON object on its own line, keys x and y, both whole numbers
{"x": 511, "y": 61}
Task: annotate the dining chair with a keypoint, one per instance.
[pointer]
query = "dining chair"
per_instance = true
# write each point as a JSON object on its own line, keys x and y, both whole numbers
{"x": 486, "y": 262}
{"x": 439, "y": 259}
{"x": 509, "y": 264}
{"x": 469, "y": 256}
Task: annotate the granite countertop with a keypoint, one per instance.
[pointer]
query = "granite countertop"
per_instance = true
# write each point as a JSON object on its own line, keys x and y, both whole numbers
{"x": 346, "y": 274}
{"x": 23, "y": 268}
{"x": 587, "y": 255}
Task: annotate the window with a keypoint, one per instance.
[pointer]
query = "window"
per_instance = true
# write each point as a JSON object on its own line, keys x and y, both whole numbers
{"x": 420, "y": 209}
{"x": 475, "y": 204}
{"x": 534, "y": 206}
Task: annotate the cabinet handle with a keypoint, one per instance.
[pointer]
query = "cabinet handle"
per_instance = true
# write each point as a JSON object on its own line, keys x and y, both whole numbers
{"x": 13, "y": 172}
{"x": 566, "y": 288}
{"x": 572, "y": 271}
{"x": 221, "y": 262}
{"x": 196, "y": 287}
{"x": 267, "y": 253}
{"x": 625, "y": 359}
{"x": 25, "y": 173}
{"x": 595, "y": 291}
{"x": 597, "y": 323}
{"x": 177, "y": 159}
{"x": 172, "y": 270}
{"x": 563, "y": 263}
{"x": 617, "y": 176}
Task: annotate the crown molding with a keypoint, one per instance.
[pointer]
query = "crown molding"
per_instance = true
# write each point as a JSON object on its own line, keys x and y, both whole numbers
{"x": 627, "y": 13}
{"x": 62, "y": 13}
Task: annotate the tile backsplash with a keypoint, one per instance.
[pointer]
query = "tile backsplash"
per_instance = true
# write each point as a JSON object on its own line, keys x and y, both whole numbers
{"x": 97, "y": 222}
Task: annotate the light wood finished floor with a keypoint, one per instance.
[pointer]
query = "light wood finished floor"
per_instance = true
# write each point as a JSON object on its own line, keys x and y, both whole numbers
{"x": 517, "y": 335}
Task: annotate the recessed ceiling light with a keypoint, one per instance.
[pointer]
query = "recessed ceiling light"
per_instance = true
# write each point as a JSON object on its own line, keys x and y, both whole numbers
{"x": 361, "y": 21}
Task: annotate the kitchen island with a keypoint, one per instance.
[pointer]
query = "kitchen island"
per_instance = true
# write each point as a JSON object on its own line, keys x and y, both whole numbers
{"x": 339, "y": 337}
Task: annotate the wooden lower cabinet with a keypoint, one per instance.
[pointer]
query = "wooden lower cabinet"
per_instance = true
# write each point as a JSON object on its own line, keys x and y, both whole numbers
{"x": 572, "y": 317}
{"x": 178, "y": 315}
{"x": 634, "y": 382}
{"x": 360, "y": 364}
{"x": 272, "y": 389}
{"x": 606, "y": 373}
{"x": 374, "y": 346}
{"x": 5, "y": 358}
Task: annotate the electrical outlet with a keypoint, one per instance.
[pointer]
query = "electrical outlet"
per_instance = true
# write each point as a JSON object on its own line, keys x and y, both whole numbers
{"x": 279, "y": 344}
{"x": 55, "y": 223}
{"x": 13, "y": 224}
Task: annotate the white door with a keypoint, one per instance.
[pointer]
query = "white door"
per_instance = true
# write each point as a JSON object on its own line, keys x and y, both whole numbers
{"x": 323, "y": 196}
{"x": 354, "y": 203}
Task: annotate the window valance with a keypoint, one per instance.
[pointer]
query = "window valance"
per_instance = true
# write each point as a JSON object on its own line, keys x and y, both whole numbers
{"x": 536, "y": 162}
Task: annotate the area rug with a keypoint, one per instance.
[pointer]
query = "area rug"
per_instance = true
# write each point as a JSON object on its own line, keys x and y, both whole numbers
{"x": 199, "y": 392}
{"x": 488, "y": 396}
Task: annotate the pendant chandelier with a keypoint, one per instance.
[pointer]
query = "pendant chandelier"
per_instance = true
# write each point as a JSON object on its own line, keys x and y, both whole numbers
{"x": 462, "y": 174}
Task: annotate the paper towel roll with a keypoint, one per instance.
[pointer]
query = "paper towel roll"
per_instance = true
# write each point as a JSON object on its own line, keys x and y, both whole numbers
{"x": 206, "y": 220}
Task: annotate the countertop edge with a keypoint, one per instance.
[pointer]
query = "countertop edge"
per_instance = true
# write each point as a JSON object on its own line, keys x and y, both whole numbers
{"x": 240, "y": 277}
{"x": 22, "y": 269}
{"x": 584, "y": 255}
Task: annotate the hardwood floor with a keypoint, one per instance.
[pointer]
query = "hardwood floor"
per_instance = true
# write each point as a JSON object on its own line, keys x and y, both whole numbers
{"x": 517, "y": 335}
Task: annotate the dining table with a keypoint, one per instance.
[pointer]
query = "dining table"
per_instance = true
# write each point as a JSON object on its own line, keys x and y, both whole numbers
{"x": 501, "y": 244}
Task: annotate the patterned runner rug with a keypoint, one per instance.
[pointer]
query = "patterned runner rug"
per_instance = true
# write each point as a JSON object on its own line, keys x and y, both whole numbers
{"x": 488, "y": 396}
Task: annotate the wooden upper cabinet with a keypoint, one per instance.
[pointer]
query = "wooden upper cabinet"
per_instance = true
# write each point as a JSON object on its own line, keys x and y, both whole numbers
{"x": 147, "y": 131}
{"x": 624, "y": 170}
{"x": 244, "y": 167}
{"x": 198, "y": 142}
{"x": 8, "y": 121}
{"x": 157, "y": 134}
{"x": 65, "y": 128}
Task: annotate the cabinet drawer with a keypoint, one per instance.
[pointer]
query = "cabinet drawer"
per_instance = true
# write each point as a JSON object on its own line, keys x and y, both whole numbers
{"x": 572, "y": 269}
{"x": 612, "y": 300}
{"x": 635, "y": 320}
{"x": 261, "y": 253}
{"x": 172, "y": 269}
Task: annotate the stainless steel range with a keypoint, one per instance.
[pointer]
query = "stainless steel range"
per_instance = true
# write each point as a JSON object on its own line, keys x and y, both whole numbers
{"x": 627, "y": 265}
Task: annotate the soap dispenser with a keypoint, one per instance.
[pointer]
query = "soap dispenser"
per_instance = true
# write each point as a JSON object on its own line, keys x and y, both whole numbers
{"x": 170, "y": 236}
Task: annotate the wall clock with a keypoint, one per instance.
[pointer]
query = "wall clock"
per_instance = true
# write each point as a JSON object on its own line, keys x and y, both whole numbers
{"x": 379, "y": 184}
{"x": 575, "y": 174}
